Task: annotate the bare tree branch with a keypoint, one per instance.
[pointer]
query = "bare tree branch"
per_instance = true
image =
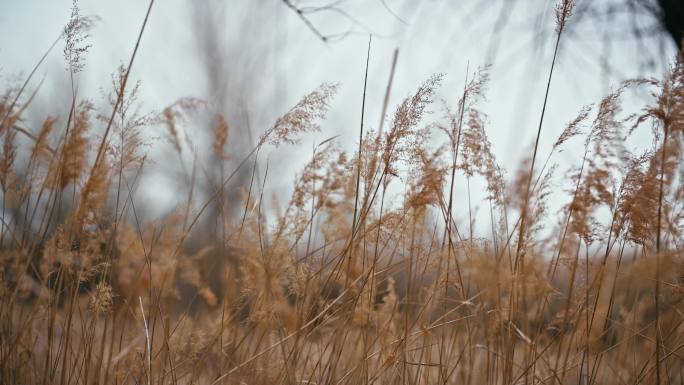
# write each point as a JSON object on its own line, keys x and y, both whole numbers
{"x": 306, "y": 20}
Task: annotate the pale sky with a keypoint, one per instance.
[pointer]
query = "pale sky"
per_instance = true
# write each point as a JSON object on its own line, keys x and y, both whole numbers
{"x": 264, "y": 59}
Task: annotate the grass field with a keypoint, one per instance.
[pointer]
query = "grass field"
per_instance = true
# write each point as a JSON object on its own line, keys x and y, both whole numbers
{"x": 365, "y": 274}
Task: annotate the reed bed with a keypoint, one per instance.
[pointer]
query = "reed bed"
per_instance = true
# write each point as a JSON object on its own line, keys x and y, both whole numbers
{"x": 371, "y": 272}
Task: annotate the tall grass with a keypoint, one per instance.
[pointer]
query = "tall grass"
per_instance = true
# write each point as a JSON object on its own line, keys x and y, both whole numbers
{"x": 367, "y": 274}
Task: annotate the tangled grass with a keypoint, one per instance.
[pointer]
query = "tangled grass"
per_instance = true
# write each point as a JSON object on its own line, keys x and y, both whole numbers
{"x": 350, "y": 282}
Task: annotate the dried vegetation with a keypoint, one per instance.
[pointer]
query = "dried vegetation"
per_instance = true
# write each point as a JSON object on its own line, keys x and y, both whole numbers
{"x": 381, "y": 279}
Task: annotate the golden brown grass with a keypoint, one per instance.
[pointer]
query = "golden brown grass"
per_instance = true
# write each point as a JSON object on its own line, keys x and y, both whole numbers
{"x": 367, "y": 274}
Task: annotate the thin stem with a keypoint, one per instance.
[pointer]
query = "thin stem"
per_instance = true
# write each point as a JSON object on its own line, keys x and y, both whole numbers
{"x": 663, "y": 158}
{"x": 358, "y": 166}
{"x": 119, "y": 98}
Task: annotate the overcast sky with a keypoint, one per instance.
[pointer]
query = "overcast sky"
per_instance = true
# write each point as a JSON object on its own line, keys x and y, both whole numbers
{"x": 253, "y": 59}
